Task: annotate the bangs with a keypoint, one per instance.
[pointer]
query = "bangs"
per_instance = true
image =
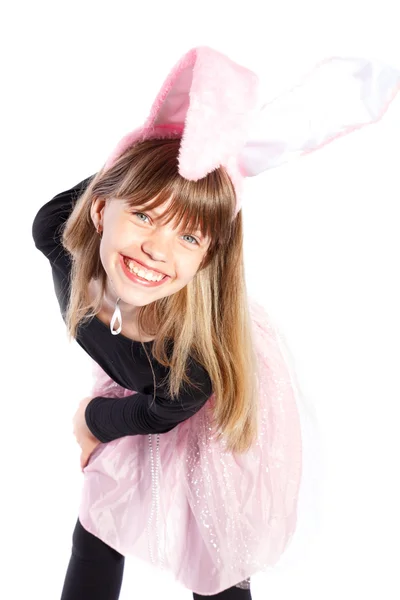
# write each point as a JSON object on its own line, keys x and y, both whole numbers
{"x": 189, "y": 209}
{"x": 147, "y": 176}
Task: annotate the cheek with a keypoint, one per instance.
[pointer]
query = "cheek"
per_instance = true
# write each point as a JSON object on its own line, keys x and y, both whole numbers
{"x": 109, "y": 252}
{"x": 187, "y": 268}
{"x": 115, "y": 239}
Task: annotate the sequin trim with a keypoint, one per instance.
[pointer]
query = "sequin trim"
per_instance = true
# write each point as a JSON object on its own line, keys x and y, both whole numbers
{"x": 155, "y": 503}
{"x": 244, "y": 585}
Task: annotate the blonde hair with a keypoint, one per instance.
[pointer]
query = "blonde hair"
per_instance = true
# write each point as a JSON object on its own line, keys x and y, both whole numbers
{"x": 209, "y": 319}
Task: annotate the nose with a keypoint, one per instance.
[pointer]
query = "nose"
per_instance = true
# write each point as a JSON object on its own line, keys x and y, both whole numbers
{"x": 157, "y": 248}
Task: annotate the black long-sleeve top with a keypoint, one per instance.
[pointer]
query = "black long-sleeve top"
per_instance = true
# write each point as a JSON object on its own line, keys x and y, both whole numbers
{"x": 123, "y": 359}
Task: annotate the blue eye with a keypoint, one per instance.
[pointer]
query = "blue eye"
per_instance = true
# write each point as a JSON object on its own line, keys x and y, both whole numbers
{"x": 186, "y": 235}
{"x": 193, "y": 238}
{"x": 139, "y": 213}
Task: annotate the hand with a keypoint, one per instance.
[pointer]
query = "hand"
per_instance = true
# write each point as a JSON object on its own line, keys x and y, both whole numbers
{"x": 87, "y": 441}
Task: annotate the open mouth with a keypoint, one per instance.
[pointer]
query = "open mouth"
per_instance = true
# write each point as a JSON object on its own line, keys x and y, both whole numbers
{"x": 142, "y": 272}
{"x": 137, "y": 273}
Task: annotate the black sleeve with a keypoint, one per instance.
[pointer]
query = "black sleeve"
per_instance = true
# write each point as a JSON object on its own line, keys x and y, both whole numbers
{"x": 112, "y": 418}
{"x": 47, "y": 231}
{"x": 48, "y": 222}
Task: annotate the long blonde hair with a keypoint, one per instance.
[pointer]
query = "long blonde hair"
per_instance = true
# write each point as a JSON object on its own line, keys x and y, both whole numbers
{"x": 209, "y": 319}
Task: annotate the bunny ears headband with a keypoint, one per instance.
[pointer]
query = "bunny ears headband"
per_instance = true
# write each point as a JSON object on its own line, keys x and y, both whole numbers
{"x": 212, "y": 103}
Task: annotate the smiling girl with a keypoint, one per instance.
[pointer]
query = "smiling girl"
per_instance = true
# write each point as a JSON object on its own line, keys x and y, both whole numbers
{"x": 191, "y": 439}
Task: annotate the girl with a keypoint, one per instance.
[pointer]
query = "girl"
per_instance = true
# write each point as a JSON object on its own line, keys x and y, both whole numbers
{"x": 191, "y": 438}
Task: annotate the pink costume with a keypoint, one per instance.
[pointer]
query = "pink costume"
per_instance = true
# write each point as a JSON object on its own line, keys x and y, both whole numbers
{"x": 179, "y": 500}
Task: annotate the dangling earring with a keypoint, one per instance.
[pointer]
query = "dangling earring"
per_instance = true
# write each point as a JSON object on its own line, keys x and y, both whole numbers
{"x": 116, "y": 315}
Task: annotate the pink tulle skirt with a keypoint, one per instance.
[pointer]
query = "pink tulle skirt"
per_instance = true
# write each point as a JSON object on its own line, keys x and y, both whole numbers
{"x": 181, "y": 502}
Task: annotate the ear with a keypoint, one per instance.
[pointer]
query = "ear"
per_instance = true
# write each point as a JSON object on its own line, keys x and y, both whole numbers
{"x": 97, "y": 210}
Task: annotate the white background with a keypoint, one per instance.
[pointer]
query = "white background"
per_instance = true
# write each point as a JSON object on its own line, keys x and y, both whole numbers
{"x": 322, "y": 251}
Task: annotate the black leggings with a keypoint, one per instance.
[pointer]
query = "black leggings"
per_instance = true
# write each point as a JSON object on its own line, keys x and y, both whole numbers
{"x": 95, "y": 572}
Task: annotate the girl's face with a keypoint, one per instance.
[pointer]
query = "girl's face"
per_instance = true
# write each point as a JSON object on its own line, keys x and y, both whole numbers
{"x": 129, "y": 232}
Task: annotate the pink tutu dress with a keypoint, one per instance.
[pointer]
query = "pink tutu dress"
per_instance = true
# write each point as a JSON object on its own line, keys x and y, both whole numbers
{"x": 181, "y": 502}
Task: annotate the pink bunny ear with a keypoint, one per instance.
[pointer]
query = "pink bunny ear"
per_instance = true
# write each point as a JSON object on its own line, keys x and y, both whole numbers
{"x": 339, "y": 96}
{"x": 212, "y": 104}
{"x": 208, "y": 100}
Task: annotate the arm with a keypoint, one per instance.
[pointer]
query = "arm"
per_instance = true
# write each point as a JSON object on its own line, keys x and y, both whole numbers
{"x": 47, "y": 229}
{"x": 112, "y": 418}
{"x": 48, "y": 222}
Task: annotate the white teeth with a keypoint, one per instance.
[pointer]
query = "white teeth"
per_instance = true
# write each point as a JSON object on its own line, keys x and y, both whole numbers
{"x": 142, "y": 272}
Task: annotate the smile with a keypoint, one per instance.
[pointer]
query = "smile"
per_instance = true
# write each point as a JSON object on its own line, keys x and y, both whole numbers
{"x": 138, "y": 274}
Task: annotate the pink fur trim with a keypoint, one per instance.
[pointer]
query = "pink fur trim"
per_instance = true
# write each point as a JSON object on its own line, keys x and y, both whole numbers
{"x": 221, "y": 97}
{"x": 213, "y": 99}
